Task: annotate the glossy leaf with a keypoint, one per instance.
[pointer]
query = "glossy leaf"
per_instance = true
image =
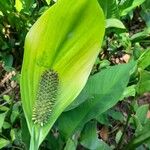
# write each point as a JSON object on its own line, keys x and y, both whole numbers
{"x": 106, "y": 92}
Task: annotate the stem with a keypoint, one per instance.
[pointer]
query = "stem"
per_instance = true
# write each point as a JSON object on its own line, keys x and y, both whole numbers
{"x": 124, "y": 130}
{"x": 34, "y": 142}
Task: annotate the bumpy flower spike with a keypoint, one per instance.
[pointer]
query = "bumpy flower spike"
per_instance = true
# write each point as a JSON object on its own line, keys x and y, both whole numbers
{"x": 46, "y": 97}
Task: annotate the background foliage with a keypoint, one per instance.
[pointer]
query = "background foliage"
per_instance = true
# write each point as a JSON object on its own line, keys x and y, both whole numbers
{"x": 112, "y": 111}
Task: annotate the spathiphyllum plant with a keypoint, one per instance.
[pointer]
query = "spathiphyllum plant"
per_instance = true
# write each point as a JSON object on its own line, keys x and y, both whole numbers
{"x": 60, "y": 50}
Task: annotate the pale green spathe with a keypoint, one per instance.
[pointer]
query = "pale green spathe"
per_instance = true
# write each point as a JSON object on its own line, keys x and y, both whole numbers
{"x": 67, "y": 39}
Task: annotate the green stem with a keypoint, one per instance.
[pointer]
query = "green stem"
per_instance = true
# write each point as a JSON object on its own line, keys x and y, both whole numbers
{"x": 34, "y": 142}
{"x": 124, "y": 130}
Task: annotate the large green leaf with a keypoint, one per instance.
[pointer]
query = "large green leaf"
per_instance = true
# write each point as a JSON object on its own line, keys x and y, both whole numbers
{"x": 66, "y": 38}
{"x": 104, "y": 91}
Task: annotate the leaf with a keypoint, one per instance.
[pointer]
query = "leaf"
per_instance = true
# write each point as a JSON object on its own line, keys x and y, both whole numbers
{"x": 140, "y": 36}
{"x": 118, "y": 136}
{"x": 116, "y": 115}
{"x": 5, "y": 6}
{"x": 114, "y": 23}
{"x": 8, "y": 60}
{"x": 18, "y": 5}
{"x": 129, "y": 91}
{"x": 60, "y": 40}
{"x": 143, "y": 85}
{"x": 129, "y": 5}
{"x": 142, "y": 137}
{"x": 2, "y": 118}
{"x": 89, "y": 138}
{"x": 7, "y": 98}
{"x": 70, "y": 145}
{"x": 143, "y": 61}
{"x": 48, "y": 1}
{"x": 107, "y": 89}
{"x": 15, "y": 112}
{"x": 124, "y": 5}
{"x": 27, "y": 5}
{"x": 110, "y": 8}
{"x": 25, "y": 133}
{"x": 103, "y": 119}
{"x": 89, "y": 90}
{"x": 145, "y": 12}
{"x": 6, "y": 125}
{"x": 4, "y": 108}
{"x": 140, "y": 118}
{"x": 12, "y": 135}
{"x": 54, "y": 142}
{"x": 3, "y": 143}
{"x": 141, "y": 113}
